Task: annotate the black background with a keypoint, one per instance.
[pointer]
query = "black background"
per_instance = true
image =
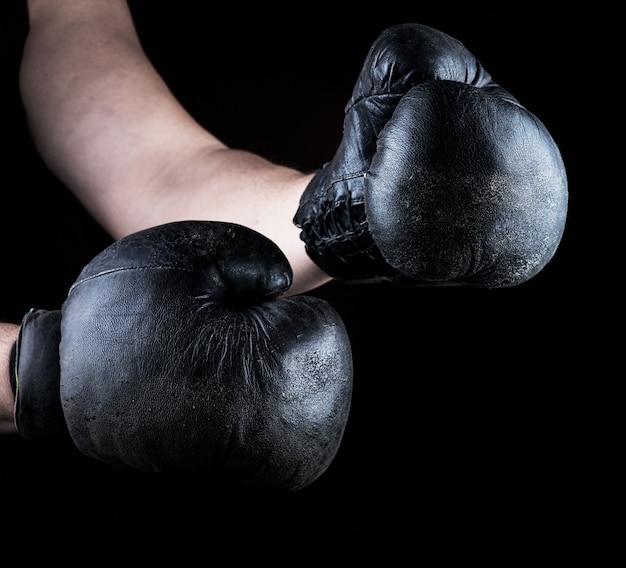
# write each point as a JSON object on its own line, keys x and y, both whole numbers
{"x": 480, "y": 420}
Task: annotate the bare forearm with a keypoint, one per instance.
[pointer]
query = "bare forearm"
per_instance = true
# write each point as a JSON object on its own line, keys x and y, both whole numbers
{"x": 89, "y": 92}
{"x": 8, "y": 335}
{"x": 109, "y": 127}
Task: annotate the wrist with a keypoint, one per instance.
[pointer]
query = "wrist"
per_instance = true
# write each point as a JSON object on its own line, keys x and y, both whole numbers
{"x": 8, "y": 336}
{"x": 38, "y": 411}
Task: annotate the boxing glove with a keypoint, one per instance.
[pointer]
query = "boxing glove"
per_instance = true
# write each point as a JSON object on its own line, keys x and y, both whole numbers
{"x": 441, "y": 178}
{"x": 176, "y": 352}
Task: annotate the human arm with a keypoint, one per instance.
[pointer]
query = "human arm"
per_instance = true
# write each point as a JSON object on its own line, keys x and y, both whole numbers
{"x": 412, "y": 195}
{"x": 108, "y": 126}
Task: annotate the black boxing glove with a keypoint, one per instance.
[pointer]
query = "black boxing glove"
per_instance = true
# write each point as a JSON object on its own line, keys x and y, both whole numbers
{"x": 175, "y": 352}
{"x": 441, "y": 178}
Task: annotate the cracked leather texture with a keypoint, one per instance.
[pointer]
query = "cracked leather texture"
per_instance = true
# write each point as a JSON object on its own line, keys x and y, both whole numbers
{"x": 441, "y": 177}
{"x": 178, "y": 354}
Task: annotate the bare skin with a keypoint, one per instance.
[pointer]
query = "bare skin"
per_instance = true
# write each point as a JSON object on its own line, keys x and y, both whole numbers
{"x": 8, "y": 335}
{"x": 109, "y": 128}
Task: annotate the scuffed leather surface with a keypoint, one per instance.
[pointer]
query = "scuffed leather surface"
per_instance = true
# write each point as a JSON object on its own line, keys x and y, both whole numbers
{"x": 484, "y": 199}
{"x": 455, "y": 183}
{"x": 179, "y": 355}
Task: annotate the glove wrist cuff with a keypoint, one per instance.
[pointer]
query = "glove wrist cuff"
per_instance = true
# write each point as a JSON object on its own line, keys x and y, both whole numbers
{"x": 36, "y": 376}
{"x": 331, "y": 216}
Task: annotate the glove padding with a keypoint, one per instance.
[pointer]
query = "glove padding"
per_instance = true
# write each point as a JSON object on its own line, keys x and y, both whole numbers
{"x": 441, "y": 177}
{"x": 179, "y": 355}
